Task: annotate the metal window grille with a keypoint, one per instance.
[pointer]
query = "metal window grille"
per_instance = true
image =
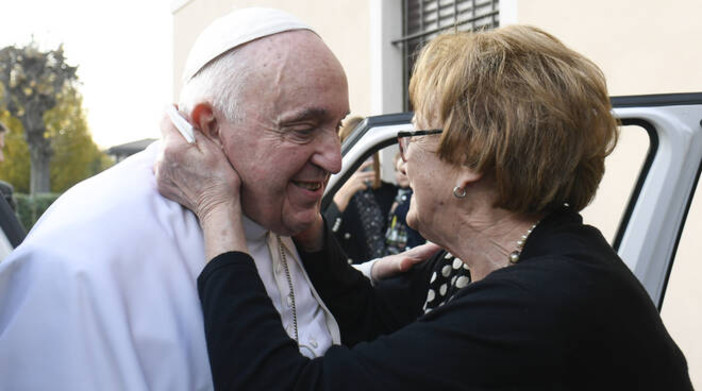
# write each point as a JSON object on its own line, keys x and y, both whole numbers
{"x": 425, "y": 19}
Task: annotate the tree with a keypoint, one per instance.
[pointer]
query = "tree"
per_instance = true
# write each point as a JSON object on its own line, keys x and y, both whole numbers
{"x": 76, "y": 156}
{"x": 33, "y": 83}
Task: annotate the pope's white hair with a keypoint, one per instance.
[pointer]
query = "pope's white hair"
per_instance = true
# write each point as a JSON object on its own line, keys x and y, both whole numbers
{"x": 218, "y": 83}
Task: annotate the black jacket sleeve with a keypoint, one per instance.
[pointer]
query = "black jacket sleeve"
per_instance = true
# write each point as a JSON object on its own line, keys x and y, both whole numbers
{"x": 363, "y": 311}
{"x": 569, "y": 315}
{"x": 249, "y": 349}
{"x": 333, "y": 214}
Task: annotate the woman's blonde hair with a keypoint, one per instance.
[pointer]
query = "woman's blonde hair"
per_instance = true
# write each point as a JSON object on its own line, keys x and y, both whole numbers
{"x": 518, "y": 105}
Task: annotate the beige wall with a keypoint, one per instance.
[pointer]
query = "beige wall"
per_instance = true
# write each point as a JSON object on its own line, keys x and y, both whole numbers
{"x": 343, "y": 24}
{"x": 643, "y": 47}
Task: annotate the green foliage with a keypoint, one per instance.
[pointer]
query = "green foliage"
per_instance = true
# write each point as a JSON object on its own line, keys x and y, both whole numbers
{"x": 34, "y": 82}
{"x": 33, "y": 79}
{"x": 29, "y": 208}
{"x": 76, "y": 156}
{"x": 16, "y": 167}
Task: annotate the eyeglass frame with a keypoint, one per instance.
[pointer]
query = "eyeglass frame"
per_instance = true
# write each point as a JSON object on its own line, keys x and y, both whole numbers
{"x": 408, "y": 135}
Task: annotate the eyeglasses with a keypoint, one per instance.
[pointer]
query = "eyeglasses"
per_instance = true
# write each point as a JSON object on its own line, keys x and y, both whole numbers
{"x": 403, "y": 139}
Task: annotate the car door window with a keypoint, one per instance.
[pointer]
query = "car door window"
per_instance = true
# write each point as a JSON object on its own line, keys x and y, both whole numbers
{"x": 622, "y": 170}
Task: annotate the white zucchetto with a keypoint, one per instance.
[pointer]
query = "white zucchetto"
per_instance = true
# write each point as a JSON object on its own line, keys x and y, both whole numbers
{"x": 235, "y": 29}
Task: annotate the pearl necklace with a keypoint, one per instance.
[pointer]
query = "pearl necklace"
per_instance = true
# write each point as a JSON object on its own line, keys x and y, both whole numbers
{"x": 514, "y": 255}
{"x": 284, "y": 260}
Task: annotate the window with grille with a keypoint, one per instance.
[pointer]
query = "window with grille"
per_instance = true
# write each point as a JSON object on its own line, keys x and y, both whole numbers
{"x": 425, "y": 19}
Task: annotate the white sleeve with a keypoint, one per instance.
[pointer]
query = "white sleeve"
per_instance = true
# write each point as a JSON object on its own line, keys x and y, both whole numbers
{"x": 71, "y": 328}
{"x": 102, "y": 293}
{"x": 366, "y": 268}
{"x": 5, "y": 247}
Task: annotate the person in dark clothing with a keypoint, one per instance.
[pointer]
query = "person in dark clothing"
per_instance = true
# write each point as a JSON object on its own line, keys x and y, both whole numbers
{"x": 359, "y": 209}
{"x": 399, "y": 236}
{"x": 513, "y": 129}
{"x": 7, "y": 192}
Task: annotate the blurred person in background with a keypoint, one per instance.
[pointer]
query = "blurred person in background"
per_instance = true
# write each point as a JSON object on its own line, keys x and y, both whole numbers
{"x": 399, "y": 236}
{"x": 359, "y": 210}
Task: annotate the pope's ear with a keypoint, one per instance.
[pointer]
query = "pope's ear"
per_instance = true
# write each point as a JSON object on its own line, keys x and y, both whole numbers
{"x": 204, "y": 119}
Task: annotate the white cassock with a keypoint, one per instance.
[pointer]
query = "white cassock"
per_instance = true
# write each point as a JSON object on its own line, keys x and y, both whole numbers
{"x": 102, "y": 294}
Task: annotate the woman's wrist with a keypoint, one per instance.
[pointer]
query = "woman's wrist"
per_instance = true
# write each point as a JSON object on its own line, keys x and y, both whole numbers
{"x": 341, "y": 199}
{"x": 223, "y": 230}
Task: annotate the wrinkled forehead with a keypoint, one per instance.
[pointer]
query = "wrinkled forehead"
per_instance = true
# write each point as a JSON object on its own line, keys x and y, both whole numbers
{"x": 293, "y": 65}
{"x": 303, "y": 47}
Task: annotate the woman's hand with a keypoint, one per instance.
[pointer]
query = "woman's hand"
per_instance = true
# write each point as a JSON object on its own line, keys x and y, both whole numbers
{"x": 392, "y": 265}
{"x": 200, "y": 177}
{"x": 360, "y": 180}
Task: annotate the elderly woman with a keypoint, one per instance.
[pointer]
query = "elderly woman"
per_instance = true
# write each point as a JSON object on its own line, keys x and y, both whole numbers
{"x": 512, "y": 129}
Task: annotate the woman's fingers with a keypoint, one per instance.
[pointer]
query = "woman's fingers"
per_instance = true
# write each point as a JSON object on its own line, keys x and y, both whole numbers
{"x": 392, "y": 265}
{"x": 198, "y": 176}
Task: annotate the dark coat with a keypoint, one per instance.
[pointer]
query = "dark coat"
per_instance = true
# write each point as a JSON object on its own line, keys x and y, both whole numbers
{"x": 569, "y": 316}
{"x": 348, "y": 228}
{"x": 13, "y": 229}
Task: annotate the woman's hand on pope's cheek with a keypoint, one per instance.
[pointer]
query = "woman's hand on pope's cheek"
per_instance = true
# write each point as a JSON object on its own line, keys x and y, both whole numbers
{"x": 198, "y": 176}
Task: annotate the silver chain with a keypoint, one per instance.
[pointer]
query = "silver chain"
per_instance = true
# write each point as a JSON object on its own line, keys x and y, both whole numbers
{"x": 284, "y": 260}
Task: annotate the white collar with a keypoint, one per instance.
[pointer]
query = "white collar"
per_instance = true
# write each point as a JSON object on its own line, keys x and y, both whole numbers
{"x": 253, "y": 231}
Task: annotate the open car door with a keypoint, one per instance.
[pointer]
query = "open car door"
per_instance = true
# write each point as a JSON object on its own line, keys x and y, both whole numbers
{"x": 649, "y": 224}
